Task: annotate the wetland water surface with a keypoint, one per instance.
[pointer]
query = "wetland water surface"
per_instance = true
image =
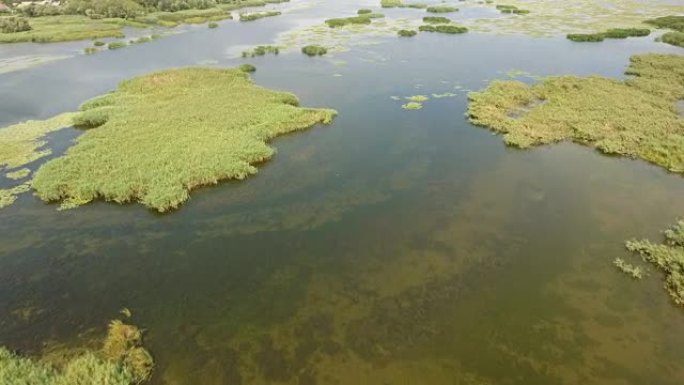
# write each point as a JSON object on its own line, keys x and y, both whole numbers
{"x": 391, "y": 247}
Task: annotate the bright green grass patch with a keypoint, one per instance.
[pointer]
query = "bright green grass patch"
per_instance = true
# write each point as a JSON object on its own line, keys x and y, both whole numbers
{"x": 668, "y": 257}
{"x": 258, "y": 15}
{"x": 314, "y": 50}
{"x": 636, "y": 117}
{"x": 613, "y": 33}
{"x": 407, "y": 33}
{"x": 671, "y": 22}
{"x": 261, "y": 50}
{"x": 443, "y": 28}
{"x": 673, "y": 38}
{"x": 441, "y": 9}
{"x": 436, "y": 20}
{"x": 19, "y": 174}
{"x": 170, "y": 132}
{"x": 49, "y": 29}
{"x": 586, "y": 37}
{"x": 122, "y": 361}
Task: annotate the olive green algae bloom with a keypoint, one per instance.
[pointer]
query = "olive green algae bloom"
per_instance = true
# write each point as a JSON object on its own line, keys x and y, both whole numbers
{"x": 161, "y": 135}
{"x": 636, "y": 117}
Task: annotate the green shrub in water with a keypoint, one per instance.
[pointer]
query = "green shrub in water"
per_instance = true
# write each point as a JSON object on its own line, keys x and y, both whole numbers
{"x": 314, "y": 50}
{"x": 406, "y": 33}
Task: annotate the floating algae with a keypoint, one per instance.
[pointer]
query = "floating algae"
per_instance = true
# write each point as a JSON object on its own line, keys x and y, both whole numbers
{"x": 159, "y": 136}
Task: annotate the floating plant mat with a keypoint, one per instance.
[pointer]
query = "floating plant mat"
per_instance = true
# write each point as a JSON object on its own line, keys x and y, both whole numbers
{"x": 637, "y": 117}
{"x": 159, "y": 136}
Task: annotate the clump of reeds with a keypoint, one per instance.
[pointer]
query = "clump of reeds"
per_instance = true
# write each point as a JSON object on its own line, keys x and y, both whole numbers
{"x": 436, "y": 20}
{"x": 247, "y": 68}
{"x": 261, "y": 51}
{"x": 407, "y": 33}
{"x": 258, "y": 15}
{"x": 213, "y": 25}
{"x": 443, "y": 28}
{"x": 314, "y": 50}
{"x": 441, "y": 9}
{"x": 116, "y": 45}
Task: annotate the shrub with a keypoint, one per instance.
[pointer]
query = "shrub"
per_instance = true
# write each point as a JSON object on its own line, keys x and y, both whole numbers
{"x": 14, "y": 24}
{"x": 364, "y": 11}
{"x": 247, "y": 68}
{"x": 406, "y": 33}
{"x": 441, "y": 9}
{"x": 436, "y": 20}
{"x": 674, "y": 38}
{"x": 314, "y": 50}
{"x": 585, "y": 37}
{"x": 213, "y": 25}
{"x": 99, "y": 43}
{"x": 671, "y": 22}
{"x": 116, "y": 45}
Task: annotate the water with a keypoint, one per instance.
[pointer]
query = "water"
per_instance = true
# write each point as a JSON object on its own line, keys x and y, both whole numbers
{"x": 392, "y": 247}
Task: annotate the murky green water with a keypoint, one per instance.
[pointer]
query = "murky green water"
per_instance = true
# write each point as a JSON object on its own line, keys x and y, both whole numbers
{"x": 392, "y": 247}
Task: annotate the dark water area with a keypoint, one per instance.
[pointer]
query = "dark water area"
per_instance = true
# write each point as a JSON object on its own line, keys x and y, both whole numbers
{"x": 391, "y": 247}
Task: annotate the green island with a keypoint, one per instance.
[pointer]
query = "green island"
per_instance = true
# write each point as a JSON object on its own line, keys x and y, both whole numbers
{"x": 174, "y": 131}
{"x": 436, "y": 20}
{"x": 363, "y": 18}
{"x": 613, "y": 33}
{"x": 406, "y": 33}
{"x": 441, "y": 9}
{"x": 122, "y": 360}
{"x": 636, "y": 117}
{"x": 314, "y": 50}
{"x": 675, "y": 23}
{"x": 94, "y": 19}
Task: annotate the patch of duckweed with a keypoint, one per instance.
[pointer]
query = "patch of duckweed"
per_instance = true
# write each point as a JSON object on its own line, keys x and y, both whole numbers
{"x": 668, "y": 257}
{"x": 19, "y": 174}
{"x": 122, "y": 361}
{"x": 635, "y": 118}
{"x": 258, "y": 15}
{"x": 170, "y": 132}
{"x": 261, "y": 51}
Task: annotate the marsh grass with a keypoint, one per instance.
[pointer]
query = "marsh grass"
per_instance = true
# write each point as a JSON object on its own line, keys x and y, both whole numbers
{"x": 99, "y": 43}
{"x": 512, "y": 9}
{"x": 418, "y": 98}
{"x": 18, "y": 174}
{"x": 363, "y": 11}
{"x": 586, "y": 37}
{"x": 443, "y": 28}
{"x": 213, "y": 25}
{"x": 258, "y": 15}
{"x": 9, "y": 195}
{"x": 673, "y": 38}
{"x": 613, "y": 33}
{"x": 116, "y": 45}
{"x": 247, "y": 68}
{"x": 261, "y": 50}
{"x": 667, "y": 257}
{"x": 634, "y": 118}
{"x": 90, "y": 50}
{"x": 170, "y": 132}
{"x": 401, "y": 4}
{"x": 344, "y": 21}
{"x": 314, "y": 50}
{"x": 436, "y": 20}
{"x": 407, "y": 33}
{"x": 670, "y": 22}
{"x": 412, "y": 106}
{"x": 441, "y": 9}
{"x": 49, "y": 29}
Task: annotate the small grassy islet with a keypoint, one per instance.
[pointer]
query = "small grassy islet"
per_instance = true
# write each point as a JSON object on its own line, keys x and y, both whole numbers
{"x": 407, "y": 33}
{"x": 401, "y": 4}
{"x": 261, "y": 50}
{"x": 436, "y": 20}
{"x": 676, "y": 23}
{"x": 258, "y": 15}
{"x": 364, "y": 18}
{"x": 441, "y": 9}
{"x": 159, "y": 136}
{"x": 314, "y": 50}
{"x": 443, "y": 28}
{"x": 636, "y": 117}
{"x": 613, "y": 33}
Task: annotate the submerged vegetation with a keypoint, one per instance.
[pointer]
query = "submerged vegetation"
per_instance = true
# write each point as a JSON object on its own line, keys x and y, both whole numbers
{"x": 636, "y": 117}
{"x": 443, "y": 28}
{"x": 258, "y": 15}
{"x": 161, "y": 135}
{"x": 122, "y": 361}
{"x": 668, "y": 257}
{"x": 627, "y": 268}
{"x": 261, "y": 50}
{"x": 314, "y": 50}
{"x": 613, "y": 33}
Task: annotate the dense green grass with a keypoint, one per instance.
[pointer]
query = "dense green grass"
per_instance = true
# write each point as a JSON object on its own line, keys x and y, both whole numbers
{"x": 116, "y": 45}
{"x": 586, "y": 37}
{"x": 436, "y": 20}
{"x": 443, "y": 28}
{"x": 99, "y": 43}
{"x": 170, "y": 132}
{"x": 667, "y": 257}
{"x": 363, "y": 11}
{"x": 344, "y": 21}
{"x": 441, "y": 9}
{"x": 314, "y": 50}
{"x": 674, "y": 38}
{"x": 50, "y": 29}
{"x": 258, "y": 15}
{"x": 407, "y": 33}
{"x": 401, "y": 4}
{"x": 671, "y": 22}
{"x": 261, "y": 50}
{"x": 635, "y": 118}
{"x": 613, "y": 33}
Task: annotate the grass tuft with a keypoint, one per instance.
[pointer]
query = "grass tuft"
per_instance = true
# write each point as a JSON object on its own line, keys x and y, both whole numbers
{"x": 441, "y": 9}
{"x": 436, "y": 20}
{"x": 407, "y": 33}
{"x": 314, "y": 50}
{"x": 258, "y": 15}
{"x": 170, "y": 132}
{"x": 261, "y": 50}
{"x": 443, "y": 28}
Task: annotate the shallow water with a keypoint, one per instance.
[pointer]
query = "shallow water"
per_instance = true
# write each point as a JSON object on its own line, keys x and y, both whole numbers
{"x": 392, "y": 247}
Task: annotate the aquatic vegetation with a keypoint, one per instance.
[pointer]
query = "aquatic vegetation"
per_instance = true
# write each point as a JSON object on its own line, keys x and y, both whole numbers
{"x": 401, "y": 4}
{"x": 512, "y": 9}
{"x": 412, "y": 106}
{"x": 258, "y": 15}
{"x": 116, "y": 45}
{"x": 213, "y": 25}
{"x": 407, "y": 33}
{"x": 344, "y": 21}
{"x": 635, "y": 118}
{"x": 9, "y": 195}
{"x": 670, "y": 22}
{"x": 261, "y": 51}
{"x": 436, "y": 20}
{"x": 89, "y": 50}
{"x": 586, "y": 37}
{"x": 613, "y": 33}
{"x": 141, "y": 40}
{"x": 444, "y": 95}
{"x": 14, "y": 24}
{"x": 417, "y": 98}
{"x": 441, "y": 9}
{"x": 18, "y": 174}
{"x": 364, "y": 11}
{"x": 443, "y": 28}
{"x": 131, "y": 365}
{"x": 98, "y": 43}
{"x": 170, "y": 132}
{"x": 49, "y": 29}
{"x": 673, "y": 38}
{"x": 627, "y": 268}
{"x": 314, "y": 50}
{"x": 668, "y": 257}
{"x": 247, "y": 68}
